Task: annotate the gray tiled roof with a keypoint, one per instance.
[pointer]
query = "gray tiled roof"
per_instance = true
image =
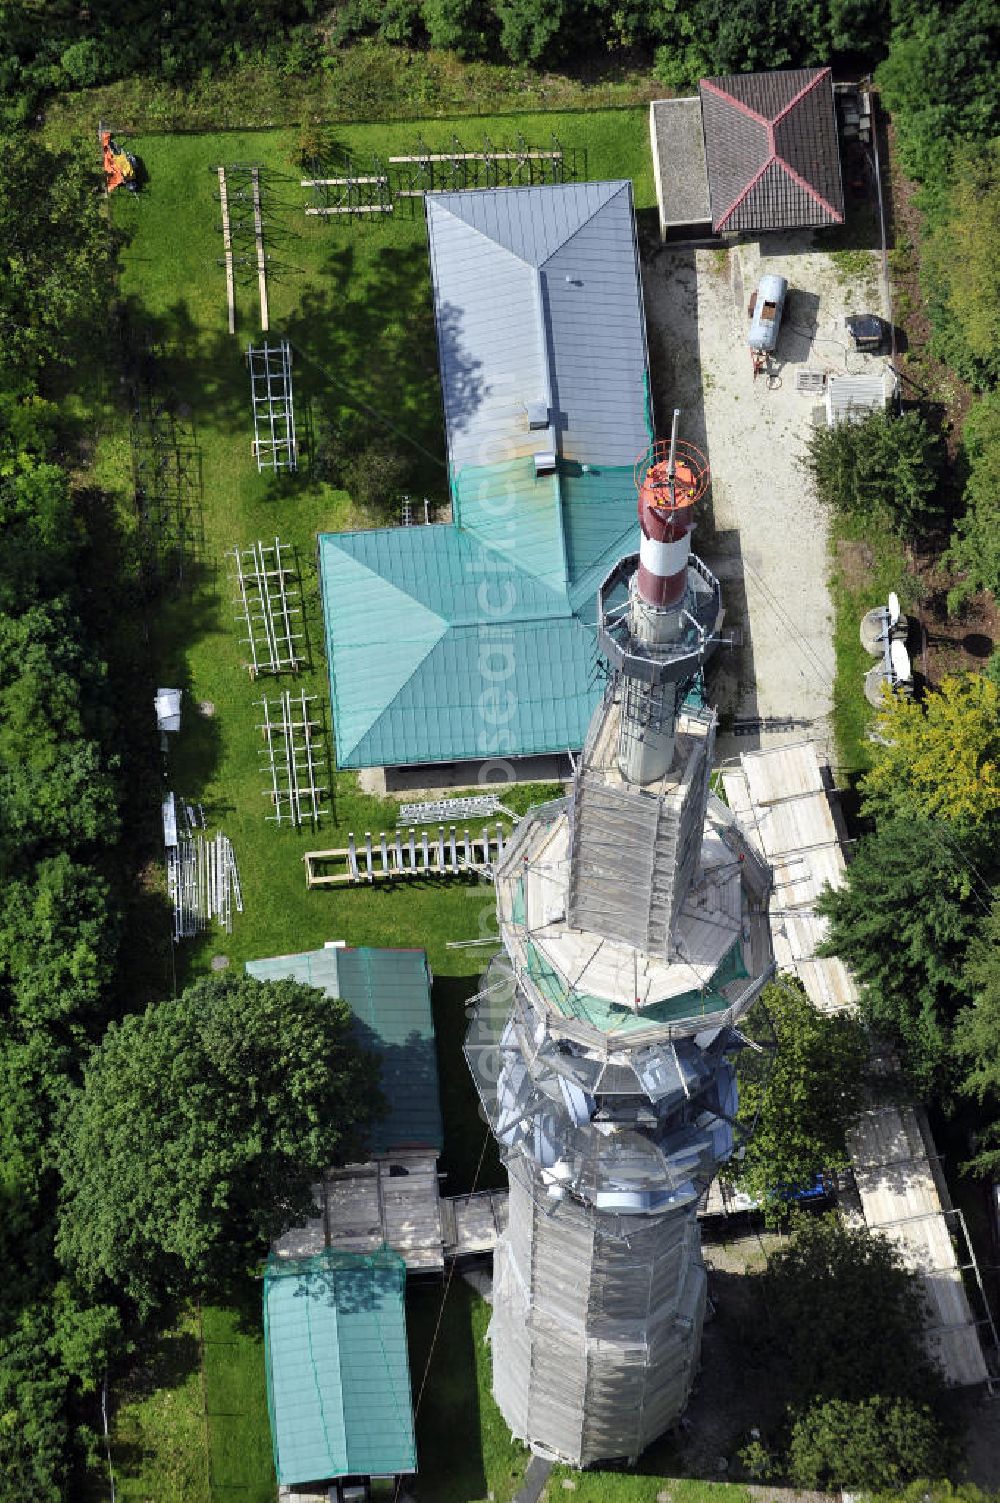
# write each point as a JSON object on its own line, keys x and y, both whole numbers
{"x": 536, "y": 297}
{"x": 772, "y": 150}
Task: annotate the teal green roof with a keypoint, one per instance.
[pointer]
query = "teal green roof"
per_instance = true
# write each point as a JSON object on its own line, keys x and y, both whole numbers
{"x": 388, "y": 991}
{"x": 338, "y": 1374}
{"x": 457, "y": 642}
{"x": 611, "y": 1017}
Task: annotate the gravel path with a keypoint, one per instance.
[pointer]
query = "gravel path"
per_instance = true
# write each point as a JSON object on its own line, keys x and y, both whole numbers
{"x": 763, "y": 533}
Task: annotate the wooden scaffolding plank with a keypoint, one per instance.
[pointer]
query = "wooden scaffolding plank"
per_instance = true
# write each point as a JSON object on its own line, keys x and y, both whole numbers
{"x": 481, "y": 156}
{"x": 227, "y": 241}
{"x": 338, "y": 182}
{"x": 352, "y": 209}
{"x": 258, "y": 226}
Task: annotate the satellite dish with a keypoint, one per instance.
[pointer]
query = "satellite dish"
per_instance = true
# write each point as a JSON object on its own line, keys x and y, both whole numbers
{"x": 900, "y": 662}
{"x": 893, "y": 608}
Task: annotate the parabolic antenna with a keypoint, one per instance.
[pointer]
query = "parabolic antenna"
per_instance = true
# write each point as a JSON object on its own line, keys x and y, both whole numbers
{"x": 900, "y": 662}
{"x": 893, "y": 607}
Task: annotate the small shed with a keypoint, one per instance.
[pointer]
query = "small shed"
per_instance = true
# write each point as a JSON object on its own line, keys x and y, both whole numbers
{"x": 338, "y": 1374}
{"x": 772, "y": 150}
{"x": 167, "y": 705}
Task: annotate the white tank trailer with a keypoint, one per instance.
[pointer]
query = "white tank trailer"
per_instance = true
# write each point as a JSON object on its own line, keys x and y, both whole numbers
{"x": 634, "y": 923}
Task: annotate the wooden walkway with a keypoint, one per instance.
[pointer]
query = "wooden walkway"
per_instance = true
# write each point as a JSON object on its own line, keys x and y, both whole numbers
{"x": 258, "y": 225}
{"x": 227, "y": 241}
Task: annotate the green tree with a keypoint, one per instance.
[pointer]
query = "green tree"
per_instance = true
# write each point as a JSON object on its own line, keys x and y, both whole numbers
{"x": 846, "y": 1317}
{"x": 40, "y": 532}
{"x": 457, "y": 25}
{"x": 874, "y": 1442}
{"x": 200, "y": 1126}
{"x": 939, "y": 759}
{"x": 887, "y": 466}
{"x": 959, "y": 271}
{"x": 902, "y": 922}
{"x": 56, "y": 947}
{"x": 34, "y": 1434}
{"x": 56, "y": 256}
{"x": 936, "y": 1490}
{"x": 977, "y": 1039}
{"x": 940, "y": 81}
{"x": 530, "y": 29}
{"x": 975, "y": 542}
{"x": 54, "y": 785}
{"x": 800, "y": 1100}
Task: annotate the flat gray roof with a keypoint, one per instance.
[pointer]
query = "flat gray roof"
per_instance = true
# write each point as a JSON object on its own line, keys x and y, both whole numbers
{"x": 679, "y": 165}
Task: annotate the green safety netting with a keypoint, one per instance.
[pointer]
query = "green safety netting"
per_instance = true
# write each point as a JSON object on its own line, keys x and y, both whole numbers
{"x": 610, "y": 1017}
{"x": 338, "y": 1376}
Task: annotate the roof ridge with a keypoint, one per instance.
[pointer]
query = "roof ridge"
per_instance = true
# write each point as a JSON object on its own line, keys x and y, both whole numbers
{"x": 807, "y": 187}
{"x": 623, "y": 185}
{"x": 798, "y": 98}
{"x": 437, "y": 200}
{"x": 740, "y": 104}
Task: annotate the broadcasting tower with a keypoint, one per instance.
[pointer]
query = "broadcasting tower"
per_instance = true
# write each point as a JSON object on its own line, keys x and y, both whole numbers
{"x": 633, "y": 916}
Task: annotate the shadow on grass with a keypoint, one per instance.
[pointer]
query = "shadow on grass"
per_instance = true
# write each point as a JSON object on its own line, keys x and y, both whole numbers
{"x": 370, "y": 344}
{"x": 466, "y": 1134}
{"x": 443, "y": 1376}
{"x": 168, "y": 1360}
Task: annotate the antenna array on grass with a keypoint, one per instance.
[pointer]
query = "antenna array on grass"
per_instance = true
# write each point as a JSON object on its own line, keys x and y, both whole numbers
{"x": 290, "y": 733}
{"x": 270, "y": 367}
{"x": 267, "y": 610}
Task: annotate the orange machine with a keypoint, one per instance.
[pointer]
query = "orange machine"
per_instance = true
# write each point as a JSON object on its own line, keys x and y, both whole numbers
{"x": 119, "y": 165}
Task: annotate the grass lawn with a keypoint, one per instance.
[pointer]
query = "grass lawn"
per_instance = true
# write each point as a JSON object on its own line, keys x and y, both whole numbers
{"x": 355, "y": 302}
{"x": 160, "y": 1444}
{"x": 239, "y": 1434}
{"x": 464, "y": 1450}
{"x": 619, "y": 1487}
{"x": 867, "y": 561}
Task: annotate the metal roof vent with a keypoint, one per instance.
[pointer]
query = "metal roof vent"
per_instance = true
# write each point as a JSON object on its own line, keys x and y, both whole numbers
{"x": 545, "y": 463}
{"x": 538, "y": 414}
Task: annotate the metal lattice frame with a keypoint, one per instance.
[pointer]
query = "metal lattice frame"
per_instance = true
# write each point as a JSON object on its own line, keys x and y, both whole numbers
{"x": 268, "y": 611}
{"x": 432, "y": 810}
{"x": 239, "y": 196}
{"x": 423, "y": 853}
{"x": 347, "y": 190}
{"x": 290, "y": 748}
{"x": 273, "y": 408}
{"x": 505, "y": 166}
{"x": 340, "y": 189}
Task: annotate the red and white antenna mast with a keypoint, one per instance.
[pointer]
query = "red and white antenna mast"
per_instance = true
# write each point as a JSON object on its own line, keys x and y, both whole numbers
{"x": 673, "y": 477}
{"x": 667, "y": 645}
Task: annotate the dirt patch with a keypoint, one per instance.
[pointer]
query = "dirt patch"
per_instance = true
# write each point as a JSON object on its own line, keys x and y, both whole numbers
{"x": 732, "y": 1394}
{"x": 854, "y": 561}
{"x": 951, "y": 644}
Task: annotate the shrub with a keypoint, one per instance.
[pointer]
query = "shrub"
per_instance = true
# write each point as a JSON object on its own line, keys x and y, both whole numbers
{"x": 887, "y": 465}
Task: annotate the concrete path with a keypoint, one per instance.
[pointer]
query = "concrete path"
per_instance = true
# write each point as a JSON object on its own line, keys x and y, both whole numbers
{"x": 535, "y": 1479}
